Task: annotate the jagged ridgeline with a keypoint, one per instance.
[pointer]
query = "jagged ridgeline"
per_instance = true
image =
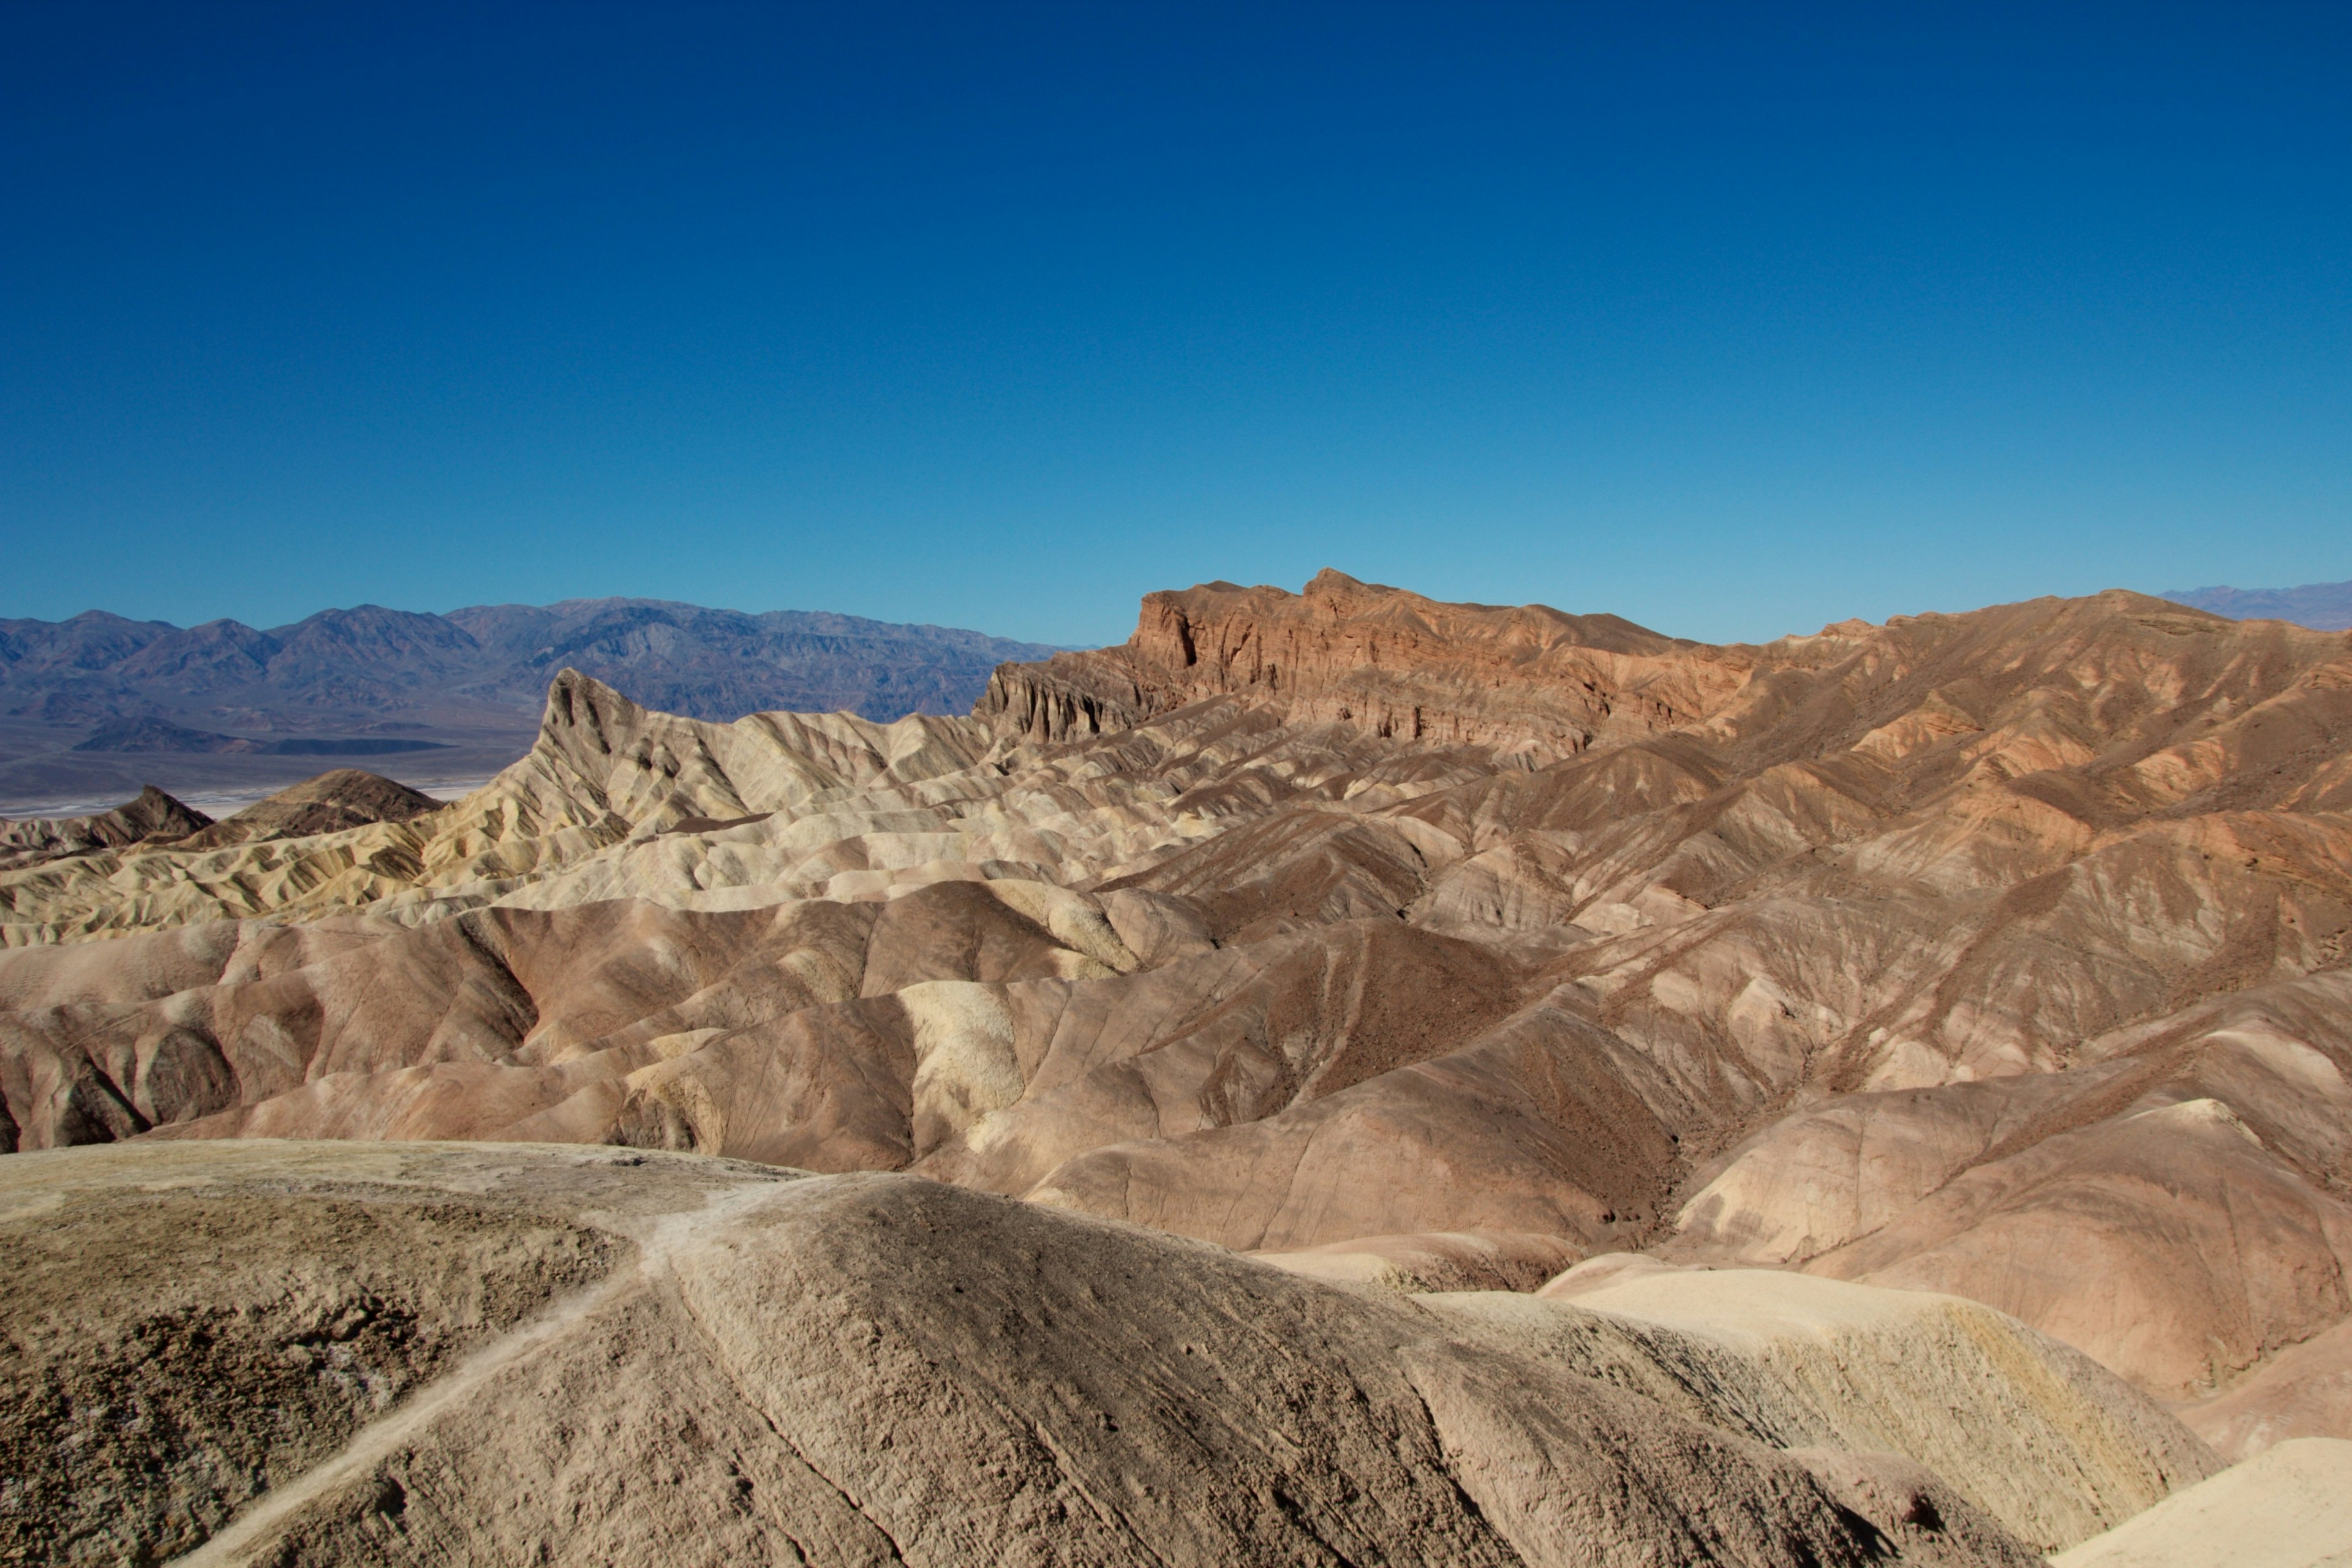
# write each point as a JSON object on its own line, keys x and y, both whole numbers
{"x": 1854, "y": 1084}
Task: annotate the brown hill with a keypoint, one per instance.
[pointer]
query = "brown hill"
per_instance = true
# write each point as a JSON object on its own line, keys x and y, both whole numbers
{"x": 341, "y": 798}
{"x": 154, "y": 815}
{"x": 2001, "y": 955}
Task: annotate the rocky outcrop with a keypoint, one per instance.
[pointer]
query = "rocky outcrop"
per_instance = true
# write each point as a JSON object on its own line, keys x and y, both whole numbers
{"x": 2149, "y": 1160}
{"x": 605, "y": 775}
{"x": 1528, "y": 680}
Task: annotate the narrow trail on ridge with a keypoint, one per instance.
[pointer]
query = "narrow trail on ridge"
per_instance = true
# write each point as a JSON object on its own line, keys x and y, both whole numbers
{"x": 658, "y": 1243}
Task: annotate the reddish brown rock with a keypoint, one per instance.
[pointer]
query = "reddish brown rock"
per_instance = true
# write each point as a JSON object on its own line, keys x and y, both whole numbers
{"x": 1526, "y": 679}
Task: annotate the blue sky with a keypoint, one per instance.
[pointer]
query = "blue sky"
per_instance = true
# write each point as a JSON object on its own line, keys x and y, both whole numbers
{"x": 1733, "y": 320}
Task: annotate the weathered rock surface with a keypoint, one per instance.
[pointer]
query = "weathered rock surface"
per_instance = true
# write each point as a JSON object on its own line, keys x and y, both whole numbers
{"x": 296, "y": 1353}
{"x": 2001, "y": 956}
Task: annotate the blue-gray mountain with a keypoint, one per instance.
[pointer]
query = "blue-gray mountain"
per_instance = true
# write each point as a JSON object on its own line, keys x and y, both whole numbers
{"x": 2323, "y": 606}
{"x": 100, "y": 703}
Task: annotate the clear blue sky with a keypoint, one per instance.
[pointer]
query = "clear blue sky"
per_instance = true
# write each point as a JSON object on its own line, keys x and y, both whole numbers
{"x": 1734, "y": 320}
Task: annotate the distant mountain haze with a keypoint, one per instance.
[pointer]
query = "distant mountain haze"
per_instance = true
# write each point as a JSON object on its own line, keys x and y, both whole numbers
{"x": 2322, "y": 607}
{"x": 100, "y": 703}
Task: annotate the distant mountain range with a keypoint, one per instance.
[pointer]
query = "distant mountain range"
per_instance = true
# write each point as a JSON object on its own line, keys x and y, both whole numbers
{"x": 2323, "y": 606}
{"x": 100, "y": 703}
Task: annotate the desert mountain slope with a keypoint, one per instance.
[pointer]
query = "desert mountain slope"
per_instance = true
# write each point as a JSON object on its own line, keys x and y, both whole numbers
{"x": 299, "y": 1354}
{"x": 2001, "y": 955}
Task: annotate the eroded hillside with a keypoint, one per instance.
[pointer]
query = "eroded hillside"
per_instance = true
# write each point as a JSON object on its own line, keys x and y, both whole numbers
{"x": 2001, "y": 954}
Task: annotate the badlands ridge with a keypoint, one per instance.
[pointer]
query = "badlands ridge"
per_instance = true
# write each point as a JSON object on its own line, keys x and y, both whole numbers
{"x": 1876, "y": 1096}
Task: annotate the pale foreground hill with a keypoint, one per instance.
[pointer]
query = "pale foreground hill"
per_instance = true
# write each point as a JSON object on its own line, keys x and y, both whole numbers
{"x": 306, "y": 1354}
{"x": 1410, "y": 946}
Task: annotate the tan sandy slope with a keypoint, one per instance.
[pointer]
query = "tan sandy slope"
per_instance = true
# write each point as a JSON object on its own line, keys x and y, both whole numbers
{"x": 2289, "y": 1507}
